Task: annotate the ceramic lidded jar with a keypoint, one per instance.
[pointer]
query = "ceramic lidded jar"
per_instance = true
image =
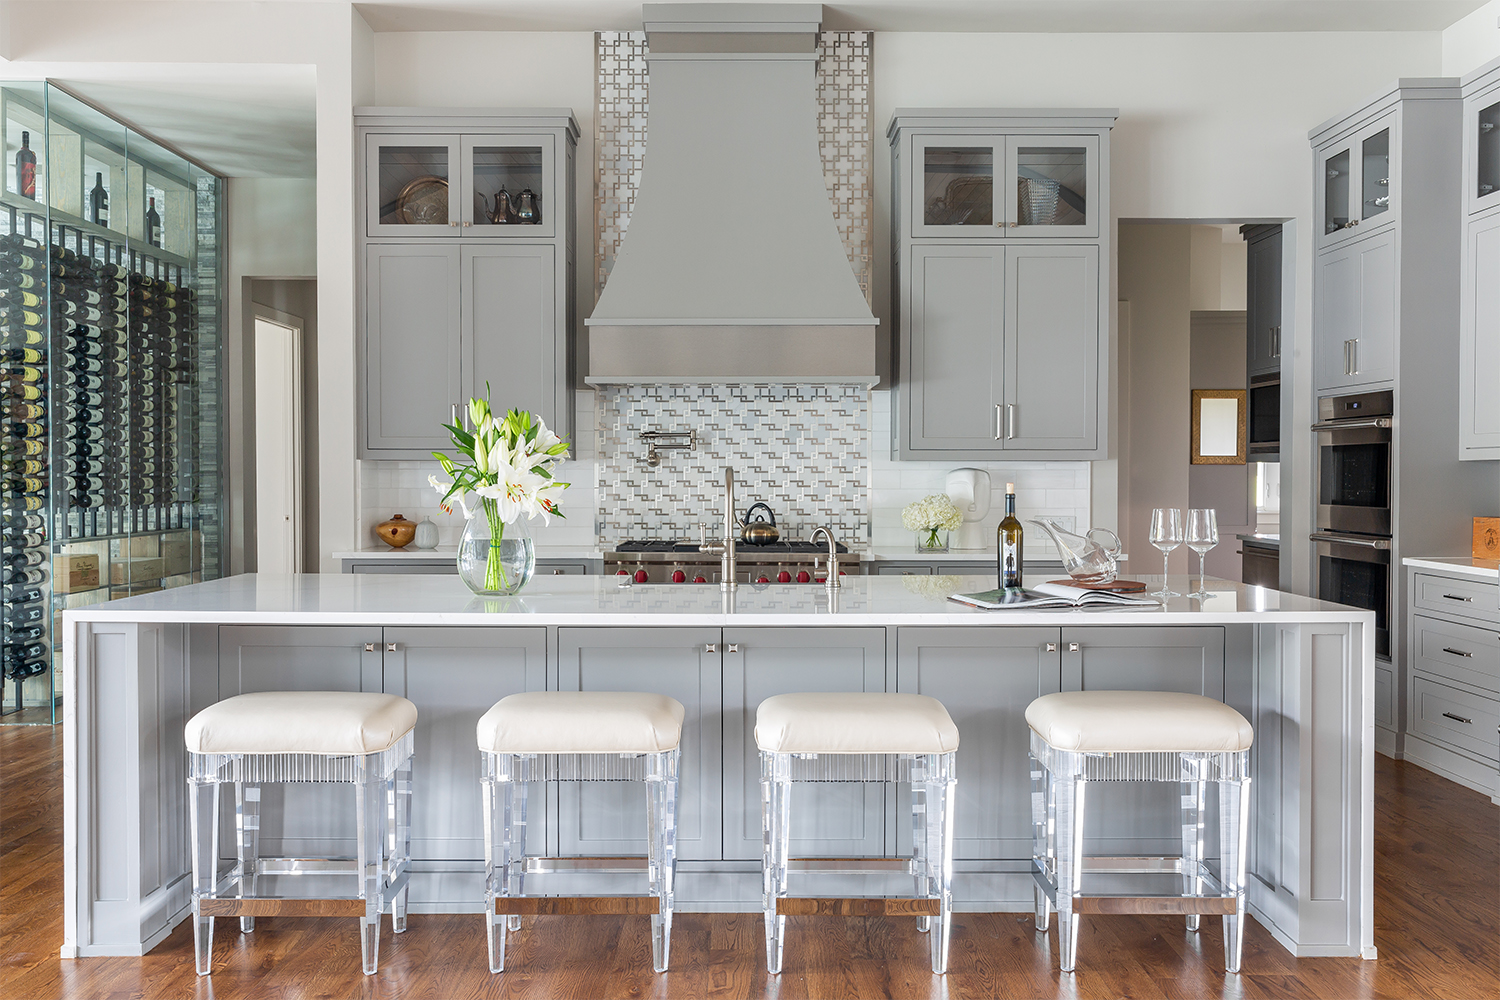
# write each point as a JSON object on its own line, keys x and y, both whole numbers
{"x": 397, "y": 532}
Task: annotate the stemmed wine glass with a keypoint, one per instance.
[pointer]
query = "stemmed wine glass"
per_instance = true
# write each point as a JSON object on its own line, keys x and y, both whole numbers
{"x": 1166, "y": 535}
{"x": 1202, "y": 535}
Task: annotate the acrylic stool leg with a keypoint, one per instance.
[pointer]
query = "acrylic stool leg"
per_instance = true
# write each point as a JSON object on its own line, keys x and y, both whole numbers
{"x": 247, "y": 836}
{"x": 204, "y": 816}
{"x": 940, "y": 801}
{"x": 776, "y": 793}
{"x": 1041, "y": 840}
{"x": 1192, "y": 843}
{"x": 1070, "y": 800}
{"x": 919, "y": 845}
{"x": 516, "y": 867}
{"x": 662, "y": 819}
{"x": 1234, "y": 837}
{"x": 399, "y": 824}
{"x": 369, "y": 796}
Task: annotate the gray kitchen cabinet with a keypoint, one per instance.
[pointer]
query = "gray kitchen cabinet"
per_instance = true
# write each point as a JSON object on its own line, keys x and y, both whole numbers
{"x": 1359, "y": 189}
{"x": 829, "y": 819}
{"x": 413, "y": 350}
{"x": 1481, "y": 178}
{"x": 1479, "y": 339}
{"x": 1263, "y": 300}
{"x": 453, "y": 675}
{"x": 985, "y": 677}
{"x": 1000, "y": 282}
{"x": 304, "y": 821}
{"x": 509, "y": 318}
{"x": 1356, "y": 294}
{"x": 450, "y": 297}
{"x": 603, "y": 819}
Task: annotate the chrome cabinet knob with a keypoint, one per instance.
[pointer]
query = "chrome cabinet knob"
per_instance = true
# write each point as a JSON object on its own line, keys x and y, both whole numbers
{"x": 390, "y": 647}
{"x": 369, "y": 647}
{"x": 734, "y": 647}
{"x": 1073, "y": 647}
{"x": 1051, "y": 647}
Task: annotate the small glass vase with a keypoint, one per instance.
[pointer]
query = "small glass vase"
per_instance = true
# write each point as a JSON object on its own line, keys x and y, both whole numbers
{"x": 495, "y": 559}
{"x": 932, "y": 540}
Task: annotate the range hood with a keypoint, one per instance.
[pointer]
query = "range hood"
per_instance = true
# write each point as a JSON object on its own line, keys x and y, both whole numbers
{"x": 732, "y": 269}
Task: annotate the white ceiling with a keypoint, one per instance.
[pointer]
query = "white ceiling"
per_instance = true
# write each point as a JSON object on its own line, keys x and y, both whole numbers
{"x": 950, "y": 15}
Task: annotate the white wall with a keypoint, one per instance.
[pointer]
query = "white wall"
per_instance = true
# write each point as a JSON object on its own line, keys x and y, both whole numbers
{"x": 1472, "y": 41}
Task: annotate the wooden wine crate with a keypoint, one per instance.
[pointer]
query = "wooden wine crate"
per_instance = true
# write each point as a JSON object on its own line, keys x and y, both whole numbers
{"x": 75, "y": 571}
{"x": 1487, "y": 538}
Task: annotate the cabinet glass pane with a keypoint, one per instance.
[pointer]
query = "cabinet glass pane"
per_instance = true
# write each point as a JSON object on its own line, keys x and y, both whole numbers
{"x": 414, "y": 185}
{"x": 958, "y": 186}
{"x": 507, "y": 185}
{"x": 1052, "y": 186}
{"x": 1375, "y": 174}
{"x": 1489, "y": 150}
{"x": 1336, "y": 192}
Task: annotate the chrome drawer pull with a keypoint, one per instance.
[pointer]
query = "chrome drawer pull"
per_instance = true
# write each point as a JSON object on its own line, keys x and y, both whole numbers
{"x": 1458, "y": 718}
{"x": 1455, "y": 597}
{"x": 1456, "y": 652}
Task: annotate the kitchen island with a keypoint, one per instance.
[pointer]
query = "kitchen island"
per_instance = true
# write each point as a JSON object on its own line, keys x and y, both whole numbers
{"x": 135, "y": 670}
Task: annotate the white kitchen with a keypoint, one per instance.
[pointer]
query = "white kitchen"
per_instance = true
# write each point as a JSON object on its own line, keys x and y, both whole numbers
{"x": 756, "y": 498}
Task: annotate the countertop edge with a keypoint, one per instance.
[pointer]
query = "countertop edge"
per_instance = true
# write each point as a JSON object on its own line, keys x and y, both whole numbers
{"x": 1474, "y": 569}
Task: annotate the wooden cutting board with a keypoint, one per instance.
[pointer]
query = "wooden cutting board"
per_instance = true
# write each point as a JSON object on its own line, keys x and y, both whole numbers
{"x": 1487, "y": 538}
{"x": 1118, "y": 587}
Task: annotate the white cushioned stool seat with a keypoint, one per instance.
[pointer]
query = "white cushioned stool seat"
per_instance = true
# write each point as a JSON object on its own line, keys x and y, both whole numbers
{"x": 318, "y": 722}
{"x": 854, "y": 722}
{"x": 1138, "y": 722}
{"x": 581, "y": 722}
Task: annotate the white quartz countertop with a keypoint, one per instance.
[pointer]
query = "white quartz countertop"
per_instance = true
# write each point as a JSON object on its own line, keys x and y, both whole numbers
{"x": 447, "y": 553}
{"x": 1485, "y": 570}
{"x": 340, "y": 598}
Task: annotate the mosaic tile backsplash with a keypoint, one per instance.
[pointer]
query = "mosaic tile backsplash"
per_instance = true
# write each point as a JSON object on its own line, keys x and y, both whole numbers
{"x": 803, "y": 449}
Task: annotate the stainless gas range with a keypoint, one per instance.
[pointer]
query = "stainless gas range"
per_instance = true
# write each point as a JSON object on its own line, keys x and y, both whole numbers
{"x": 658, "y": 561}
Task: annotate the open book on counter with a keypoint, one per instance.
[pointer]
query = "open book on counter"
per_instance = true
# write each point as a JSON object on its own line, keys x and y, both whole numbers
{"x": 1054, "y": 595}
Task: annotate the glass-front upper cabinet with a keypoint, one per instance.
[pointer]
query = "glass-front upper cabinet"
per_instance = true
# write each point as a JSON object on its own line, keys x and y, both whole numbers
{"x": 1484, "y": 138}
{"x": 508, "y": 179}
{"x": 1004, "y": 186}
{"x": 1356, "y": 186}
{"x": 407, "y": 181}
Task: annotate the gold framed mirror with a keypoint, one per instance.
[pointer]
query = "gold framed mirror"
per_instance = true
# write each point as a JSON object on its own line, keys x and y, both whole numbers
{"x": 1219, "y": 426}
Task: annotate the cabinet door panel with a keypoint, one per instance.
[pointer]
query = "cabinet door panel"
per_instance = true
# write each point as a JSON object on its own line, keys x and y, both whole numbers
{"x": 412, "y": 346}
{"x": 510, "y": 327}
{"x": 985, "y": 677}
{"x": 829, "y": 819}
{"x": 957, "y": 190}
{"x": 453, "y": 675}
{"x": 1357, "y": 306}
{"x": 1052, "y": 186}
{"x": 298, "y": 820}
{"x": 1263, "y": 296}
{"x": 609, "y": 818}
{"x": 410, "y": 185}
{"x": 1051, "y": 347}
{"x": 956, "y": 340}
{"x": 515, "y": 163}
{"x": 1479, "y": 354}
{"x": 1132, "y": 819}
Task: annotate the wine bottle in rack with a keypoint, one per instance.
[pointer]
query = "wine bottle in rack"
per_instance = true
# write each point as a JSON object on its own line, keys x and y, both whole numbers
{"x": 99, "y": 201}
{"x": 26, "y": 168}
{"x": 153, "y": 224}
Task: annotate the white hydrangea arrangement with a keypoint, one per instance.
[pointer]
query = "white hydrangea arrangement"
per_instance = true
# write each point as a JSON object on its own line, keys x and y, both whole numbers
{"x": 932, "y": 514}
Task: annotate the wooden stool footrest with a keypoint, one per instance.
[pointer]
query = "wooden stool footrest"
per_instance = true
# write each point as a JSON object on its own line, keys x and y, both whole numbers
{"x": 856, "y": 906}
{"x": 551, "y": 906}
{"x": 262, "y": 907}
{"x": 1208, "y": 905}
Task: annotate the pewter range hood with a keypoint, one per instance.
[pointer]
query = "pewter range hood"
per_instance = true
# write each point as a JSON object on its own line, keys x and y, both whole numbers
{"x": 732, "y": 269}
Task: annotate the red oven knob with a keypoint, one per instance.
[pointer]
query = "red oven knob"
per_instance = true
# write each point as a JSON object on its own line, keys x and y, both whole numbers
{"x": 803, "y": 576}
{"x": 763, "y": 579}
{"x": 842, "y": 573}
{"x": 640, "y": 576}
{"x": 678, "y": 576}
{"x": 699, "y": 579}
{"x": 784, "y": 577}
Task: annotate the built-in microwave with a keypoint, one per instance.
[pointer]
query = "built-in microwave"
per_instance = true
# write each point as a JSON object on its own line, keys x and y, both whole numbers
{"x": 1264, "y": 431}
{"x": 1354, "y": 463}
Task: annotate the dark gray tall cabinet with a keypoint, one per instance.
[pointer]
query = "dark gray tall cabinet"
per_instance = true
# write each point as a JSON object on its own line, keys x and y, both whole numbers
{"x": 1000, "y": 283}
{"x": 467, "y": 269}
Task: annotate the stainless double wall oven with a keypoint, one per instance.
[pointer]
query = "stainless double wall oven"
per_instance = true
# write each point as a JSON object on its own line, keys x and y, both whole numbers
{"x": 1353, "y": 540}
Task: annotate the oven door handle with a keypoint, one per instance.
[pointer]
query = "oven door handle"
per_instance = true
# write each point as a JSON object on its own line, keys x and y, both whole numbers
{"x": 1349, "y": 425}
{"x": 1373, "y": 543}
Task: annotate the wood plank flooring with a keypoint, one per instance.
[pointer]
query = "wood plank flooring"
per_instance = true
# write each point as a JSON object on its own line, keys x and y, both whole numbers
{"x": 1437, "y": 910}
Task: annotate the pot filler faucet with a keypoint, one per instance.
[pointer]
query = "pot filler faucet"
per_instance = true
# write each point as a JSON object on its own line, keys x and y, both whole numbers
{"x": 725, "y": 546}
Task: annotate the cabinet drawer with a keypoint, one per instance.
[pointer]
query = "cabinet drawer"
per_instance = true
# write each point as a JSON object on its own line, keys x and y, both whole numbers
{"x": 1468, "y": 598}
{"x": 546, "y": 567}
{"x": 1460, "y": 653}
{"x": 1457, "y": 718}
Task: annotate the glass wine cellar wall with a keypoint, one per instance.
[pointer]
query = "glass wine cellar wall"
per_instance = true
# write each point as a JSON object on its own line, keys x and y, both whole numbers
{"x": 110, "y": 439}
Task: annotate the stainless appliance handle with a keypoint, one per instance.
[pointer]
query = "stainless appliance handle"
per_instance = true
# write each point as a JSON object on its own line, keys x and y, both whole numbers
{"x": 1373, "y": 543}
{"x": 1350, "y": 425}
{"x": 1275, "y": 341}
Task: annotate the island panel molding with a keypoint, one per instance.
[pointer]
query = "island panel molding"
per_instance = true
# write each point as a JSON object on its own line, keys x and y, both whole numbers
{"x": 1300, "y": 669}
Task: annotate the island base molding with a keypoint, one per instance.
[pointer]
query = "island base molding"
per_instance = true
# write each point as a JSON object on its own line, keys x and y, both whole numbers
{"x": 1307, "y": 688}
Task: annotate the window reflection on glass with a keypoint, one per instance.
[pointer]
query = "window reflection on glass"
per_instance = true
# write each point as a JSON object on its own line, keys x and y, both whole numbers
{"x": 413, "y": 185}
{"x": 1052, "y": 186}
{"x": 1336, "y": 192}
{"x": 507, "y": 185}
{"x": 1375, "y": 174}
{"x": 1489, "y": 150}
{"x": 958, "y": 186}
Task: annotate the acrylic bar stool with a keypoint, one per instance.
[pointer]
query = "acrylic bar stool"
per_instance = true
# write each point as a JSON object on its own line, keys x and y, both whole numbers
{"x": 338, "y": 737}
{"x": 858, "y": 737}
{"x": 1081, "y": 737}
{"x": 578, "y": 736}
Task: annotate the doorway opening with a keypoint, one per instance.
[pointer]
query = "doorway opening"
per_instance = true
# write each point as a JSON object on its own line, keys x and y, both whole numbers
{"x": 278, "y": 441}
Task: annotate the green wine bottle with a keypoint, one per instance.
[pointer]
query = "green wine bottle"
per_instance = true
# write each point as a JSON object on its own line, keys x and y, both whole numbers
{"x": 1008, "y": 543}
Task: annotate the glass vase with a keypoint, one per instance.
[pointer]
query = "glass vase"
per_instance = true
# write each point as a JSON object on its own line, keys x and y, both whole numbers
{"x": 494, "y": 558}
{"x": 932, "y": 540}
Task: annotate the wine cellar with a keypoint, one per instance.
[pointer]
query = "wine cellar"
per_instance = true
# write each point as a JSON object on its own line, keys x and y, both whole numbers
{"x": 110, "y": 437}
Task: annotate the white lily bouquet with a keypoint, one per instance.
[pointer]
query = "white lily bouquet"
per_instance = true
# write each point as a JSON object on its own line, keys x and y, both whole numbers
{"x": 932, "y": 514}
{"x": 512, "y": 470}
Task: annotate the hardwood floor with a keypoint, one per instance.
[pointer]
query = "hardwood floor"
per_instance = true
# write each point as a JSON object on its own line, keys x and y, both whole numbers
{"x": 1437, "y": 911}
